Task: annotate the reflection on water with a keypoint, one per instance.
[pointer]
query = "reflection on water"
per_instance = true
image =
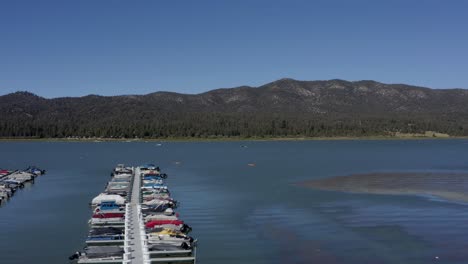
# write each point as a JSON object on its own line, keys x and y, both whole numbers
{"x": 247, "y": 214}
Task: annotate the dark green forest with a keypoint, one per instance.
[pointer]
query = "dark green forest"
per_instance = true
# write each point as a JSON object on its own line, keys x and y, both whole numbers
{"x": 209, "y": 125}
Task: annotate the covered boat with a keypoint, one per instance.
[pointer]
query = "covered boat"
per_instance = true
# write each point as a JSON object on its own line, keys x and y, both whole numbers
{"x": 148, "y": 209}
{"x": 154, "y": 176}
{"x": 107, "y": 221}
{"x": 158, "y": 223}
{"x": 98, "y": 231}
{"x": 117, "y": 199}
{"x": 169, "y": 247}
{"x": 184, "y": 228}
{"x": 93, "y": 253}
{"x": 156, "y": 201}
{"x": 105, "y": 238}
{"x": 35, "y": 170}
{"x": 149, "y": 167}
{"x": 153, "y": 186}
{"x": 156, "y": 181}
{"x": 109, "y": 207}
{"x": 165, "y": 237}
{"x": 108, "y": 215}
{"x": 168, "y": 214}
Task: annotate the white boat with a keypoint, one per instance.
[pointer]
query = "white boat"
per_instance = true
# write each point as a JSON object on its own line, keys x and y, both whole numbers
{"x": 120, "y": 168}
{"x": 117, "y": 199}
{"x": 169, "y": 237}
{"x": 106, "y": 221}
{"x": 180, "y": 227}
{"x": 157, "y": 201}
{"x": 123, "y": 176}
{"x": 99, "y": 254}
{"x": 159, "y": 181}
{"x": 168, "y": 214}
{"x": 152, "y": 217}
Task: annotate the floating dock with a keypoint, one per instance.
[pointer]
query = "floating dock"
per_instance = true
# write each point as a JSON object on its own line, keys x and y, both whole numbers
{"x": 134, "y": 223}
{"x": 11, "y": 181}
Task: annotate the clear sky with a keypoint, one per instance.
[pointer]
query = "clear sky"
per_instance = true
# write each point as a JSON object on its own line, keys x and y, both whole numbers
{"x": 78, "y": 47}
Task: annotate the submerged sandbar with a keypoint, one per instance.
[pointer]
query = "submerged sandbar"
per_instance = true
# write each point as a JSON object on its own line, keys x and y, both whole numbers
{"x": 448, "y": 186}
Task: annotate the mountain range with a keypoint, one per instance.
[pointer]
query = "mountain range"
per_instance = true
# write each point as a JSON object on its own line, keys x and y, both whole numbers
{"x": 285, "y": 107}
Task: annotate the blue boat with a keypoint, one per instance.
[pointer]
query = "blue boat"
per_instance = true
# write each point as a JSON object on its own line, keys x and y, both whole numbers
{"x": 35, "y": 170}
{"x": 154, "y": 185}
{"x": 152, "y": 177}
{"x": 149, "y": 167}
{"x": 108, "y": 206}
{"x": 105, "y": 237}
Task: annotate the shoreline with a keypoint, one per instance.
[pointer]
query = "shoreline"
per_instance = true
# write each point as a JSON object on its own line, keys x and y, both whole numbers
{"x": 224, "y": 139}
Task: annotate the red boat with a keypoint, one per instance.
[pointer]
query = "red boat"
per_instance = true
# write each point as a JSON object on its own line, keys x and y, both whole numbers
{"x": 109, "y": 215}
{"x": 154, "y": 223}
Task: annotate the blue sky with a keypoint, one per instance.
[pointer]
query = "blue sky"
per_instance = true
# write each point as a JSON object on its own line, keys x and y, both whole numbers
{"x": 74, "y": 48}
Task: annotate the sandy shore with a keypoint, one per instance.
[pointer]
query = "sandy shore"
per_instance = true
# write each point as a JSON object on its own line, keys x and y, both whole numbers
{"x": 448, "y": 186}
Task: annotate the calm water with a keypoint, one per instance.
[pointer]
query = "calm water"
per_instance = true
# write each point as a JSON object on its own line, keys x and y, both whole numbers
{"x": 245, "y": 214}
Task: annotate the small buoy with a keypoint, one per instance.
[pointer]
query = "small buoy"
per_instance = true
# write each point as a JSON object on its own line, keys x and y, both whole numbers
{"x": 251, "y": 164}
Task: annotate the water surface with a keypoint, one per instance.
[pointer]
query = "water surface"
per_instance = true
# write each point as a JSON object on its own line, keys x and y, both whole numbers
{"x": 242, "y": 213}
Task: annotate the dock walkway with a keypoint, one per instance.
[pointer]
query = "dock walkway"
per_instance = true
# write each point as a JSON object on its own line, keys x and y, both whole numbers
{"x": 135, "y": 244}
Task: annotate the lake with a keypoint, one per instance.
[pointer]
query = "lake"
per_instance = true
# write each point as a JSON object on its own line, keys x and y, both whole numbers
{"x": 244, "y": 213}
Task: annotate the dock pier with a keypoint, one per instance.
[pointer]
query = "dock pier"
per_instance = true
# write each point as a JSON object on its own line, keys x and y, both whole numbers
{"x": 133, "y": 222}
{"x": 135, "y": 237}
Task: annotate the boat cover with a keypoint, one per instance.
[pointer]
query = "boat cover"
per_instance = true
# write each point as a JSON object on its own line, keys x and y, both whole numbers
{"x": 105, "y": 238}
{"x": 105, "y": 231}
{"x": 165, "y": 247}
{"x": 103, "y": 251}
{"x": 154, "y": 223}
{"x": 155, "y": 208}
{"x": 108, "y": 197}
{"x": 120, "y": 180}
{"x": 108, "y": 215}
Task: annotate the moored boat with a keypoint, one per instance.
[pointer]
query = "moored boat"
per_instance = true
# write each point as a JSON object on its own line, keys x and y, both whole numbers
{"x": 104, "y": 197}
{"x": 96, "y": 254}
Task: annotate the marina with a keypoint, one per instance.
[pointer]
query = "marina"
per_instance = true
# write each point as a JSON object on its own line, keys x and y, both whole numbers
{"x": 134, "y": 221}
{"x": 11, "y": 181}
{"x": 272, "y": 219}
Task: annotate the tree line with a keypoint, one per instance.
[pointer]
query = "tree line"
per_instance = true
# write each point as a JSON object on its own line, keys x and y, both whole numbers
{"x": 242, "y": 125}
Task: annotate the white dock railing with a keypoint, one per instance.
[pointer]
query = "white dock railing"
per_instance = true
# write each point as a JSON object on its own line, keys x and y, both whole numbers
{"x": 144, "y": 239}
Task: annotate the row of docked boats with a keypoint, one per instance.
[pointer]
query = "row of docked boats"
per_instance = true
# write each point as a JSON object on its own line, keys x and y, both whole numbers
{"x": 10, "y": 181}
{"x": 135, "y": 215}
{"x": 105, "y": 239}
{"x": 166, "y": 234}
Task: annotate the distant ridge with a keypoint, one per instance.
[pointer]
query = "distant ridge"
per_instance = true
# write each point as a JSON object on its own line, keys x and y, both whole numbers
{"x": 285, "y": 107}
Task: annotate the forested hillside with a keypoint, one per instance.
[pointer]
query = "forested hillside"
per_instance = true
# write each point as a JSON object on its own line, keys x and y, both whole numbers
{"x": 284, "y": 108}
